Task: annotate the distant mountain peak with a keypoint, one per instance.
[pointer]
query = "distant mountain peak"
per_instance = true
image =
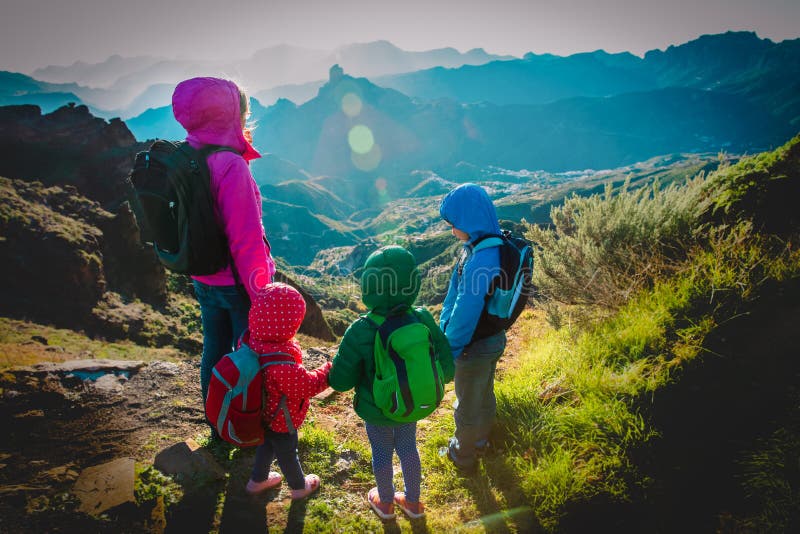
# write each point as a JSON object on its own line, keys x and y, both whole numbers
{"x": 335, "y": 74}
{"x": 380, "y": 44}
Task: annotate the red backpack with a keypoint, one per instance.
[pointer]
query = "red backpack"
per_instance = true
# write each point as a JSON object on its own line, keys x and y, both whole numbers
{"x": 237, "y": 397}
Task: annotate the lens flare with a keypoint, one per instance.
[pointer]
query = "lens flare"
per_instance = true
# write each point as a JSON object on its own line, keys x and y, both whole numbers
{"x": 351, "y": 105}
{"x": 369, "y": 161}
{"x": 360, "y": 139}
{"x": 383, "y": 193}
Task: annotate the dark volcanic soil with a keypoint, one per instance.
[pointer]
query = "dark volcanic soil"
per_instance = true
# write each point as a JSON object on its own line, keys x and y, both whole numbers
{"x": 55, "y": 424}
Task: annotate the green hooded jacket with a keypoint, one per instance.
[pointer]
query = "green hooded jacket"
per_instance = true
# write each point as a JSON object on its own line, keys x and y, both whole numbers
{"x": 390, "y": 282}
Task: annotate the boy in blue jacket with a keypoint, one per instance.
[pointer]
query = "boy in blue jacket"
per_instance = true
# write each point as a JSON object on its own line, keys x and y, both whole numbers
{"x": 475, "y": 347}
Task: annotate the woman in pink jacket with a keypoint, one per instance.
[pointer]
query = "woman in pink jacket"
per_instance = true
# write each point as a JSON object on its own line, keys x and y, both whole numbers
{"x": 214, "y": 112}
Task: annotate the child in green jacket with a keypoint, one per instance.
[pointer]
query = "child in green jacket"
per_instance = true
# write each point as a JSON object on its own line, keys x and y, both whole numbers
{"x": 389, "y": 286}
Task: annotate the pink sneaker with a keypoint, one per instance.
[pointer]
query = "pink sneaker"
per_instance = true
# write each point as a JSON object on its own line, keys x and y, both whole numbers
{"x": 312, "y": 485}
{"x": 414, "y": 510}
{"x": 273, "y": 480}
{"x": 385, "y": 510}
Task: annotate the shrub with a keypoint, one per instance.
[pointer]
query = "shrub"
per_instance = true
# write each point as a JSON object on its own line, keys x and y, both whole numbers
{"x": 603, "y": 249}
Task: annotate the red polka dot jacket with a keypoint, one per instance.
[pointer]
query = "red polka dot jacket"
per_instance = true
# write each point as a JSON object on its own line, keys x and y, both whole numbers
{"x": 275, "y": 316}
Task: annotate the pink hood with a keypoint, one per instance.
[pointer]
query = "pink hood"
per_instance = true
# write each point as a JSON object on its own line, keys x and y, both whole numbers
{"x": 208, "y": 108}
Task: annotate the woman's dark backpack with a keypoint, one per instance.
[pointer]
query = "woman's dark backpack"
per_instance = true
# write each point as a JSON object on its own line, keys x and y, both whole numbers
{"x": 174, "y": 207}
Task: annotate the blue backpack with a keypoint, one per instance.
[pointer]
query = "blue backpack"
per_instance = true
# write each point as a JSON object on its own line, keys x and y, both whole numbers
{"x": 509, "y": 290}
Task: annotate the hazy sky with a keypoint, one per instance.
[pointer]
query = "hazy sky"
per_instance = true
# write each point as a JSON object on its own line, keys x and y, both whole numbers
{"x": 36, "y": 33}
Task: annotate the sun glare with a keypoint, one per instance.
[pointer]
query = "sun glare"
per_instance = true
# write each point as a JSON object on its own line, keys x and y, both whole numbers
{"x": 351, "y": 105}
{"x": 360, "y": 139}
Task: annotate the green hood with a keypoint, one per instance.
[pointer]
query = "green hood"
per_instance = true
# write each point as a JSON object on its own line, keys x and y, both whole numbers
{"x": 390, "y": 281}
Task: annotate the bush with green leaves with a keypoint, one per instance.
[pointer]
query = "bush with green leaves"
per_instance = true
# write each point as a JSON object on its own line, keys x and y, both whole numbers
{"x": 602, "y": 249}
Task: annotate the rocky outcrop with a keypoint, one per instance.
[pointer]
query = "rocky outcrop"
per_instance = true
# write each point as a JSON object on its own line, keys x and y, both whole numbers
{"x": 52, "y": 264}
{"x": 314, "y": 324}
{"x": 65, "y": 261}
{"x": 131, "y": 268}
{"x": 67, "y": 147}
{"x": 71, "y": 245}
{"x": 81, "y": 163}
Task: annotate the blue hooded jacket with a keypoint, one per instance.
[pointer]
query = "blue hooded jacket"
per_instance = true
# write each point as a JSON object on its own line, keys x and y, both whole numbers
{"x": 469, "y": 209}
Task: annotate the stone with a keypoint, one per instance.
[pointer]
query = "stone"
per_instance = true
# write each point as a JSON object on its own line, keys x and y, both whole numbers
{"x": 342, "y": 467}
{"x": 109, "y": 383}
{"x": 105, "y": 486}
{"x": 188, "y": 463}
{"x": 165, "y": 368}
{"x": 63, "y": 473}
{"x": 326, "y": 394}
{"x": 108, "y": 366}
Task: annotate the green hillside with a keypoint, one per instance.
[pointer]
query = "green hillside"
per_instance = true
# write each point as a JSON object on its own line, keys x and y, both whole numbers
{"x": 669, "y": 382}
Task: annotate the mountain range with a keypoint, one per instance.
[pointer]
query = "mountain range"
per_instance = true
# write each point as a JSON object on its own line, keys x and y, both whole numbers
{"x": 126, "y": 87}
{"x": 576, "y": 133}
{"x": 734, "y": 62}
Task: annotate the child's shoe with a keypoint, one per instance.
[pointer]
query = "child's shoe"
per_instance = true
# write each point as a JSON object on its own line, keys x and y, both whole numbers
{"x": 385, "y": 510}
{"x": 452, "y": 454}
{"x": 312, "y": 485}
{"x": 273, "y": 480}
{"x": 414, "y": 510}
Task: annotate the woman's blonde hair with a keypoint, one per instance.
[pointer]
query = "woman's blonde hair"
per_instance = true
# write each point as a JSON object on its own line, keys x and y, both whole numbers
{"x": 244, "y": 103}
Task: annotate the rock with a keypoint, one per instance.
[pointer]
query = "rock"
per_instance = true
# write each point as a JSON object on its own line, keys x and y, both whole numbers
{"x": 131, "y": 268}
{"x": 342, "y": 466}
{"x": 67, "y": 169}
{"x": 109, "y": 383}
{"x": 326, "y": 394}
{"x": 105, "y": 486}
{"x": 165, "y": 368}
{"x": 314, "y": 323}
{"x": 29, "y": 413}
{"x": 316, "y": 356}
{"x": 40, "y": 339}
{"x": 64, "y": 473}
{"x": 188, "y": 463}
{"x": 90, "y": 366}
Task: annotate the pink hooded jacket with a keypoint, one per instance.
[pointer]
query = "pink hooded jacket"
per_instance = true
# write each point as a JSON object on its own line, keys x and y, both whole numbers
{"x": 208, "y": 108}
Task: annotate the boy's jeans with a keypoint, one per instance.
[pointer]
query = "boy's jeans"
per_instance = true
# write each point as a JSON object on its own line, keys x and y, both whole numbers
{"x": 224, "y": 312}
{"x": 475, "y": 401}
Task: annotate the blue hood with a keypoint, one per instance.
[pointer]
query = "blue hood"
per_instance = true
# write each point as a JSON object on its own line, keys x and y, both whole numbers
{"x": 469, "y": 208}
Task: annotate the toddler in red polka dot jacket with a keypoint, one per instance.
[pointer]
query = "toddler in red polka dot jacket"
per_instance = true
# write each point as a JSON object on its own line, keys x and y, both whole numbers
{"x": 275, "y": 316}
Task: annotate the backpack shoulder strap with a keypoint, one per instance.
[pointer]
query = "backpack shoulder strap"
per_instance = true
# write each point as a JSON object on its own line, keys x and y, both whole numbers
{"x": 213, "y": 149}
{"x": 289, "y": 359}
{"x": 373, "y": 318}
{"x": 487, "y": 241}
{"x": 392, "y": 323}
{"x": 282, "y": 406}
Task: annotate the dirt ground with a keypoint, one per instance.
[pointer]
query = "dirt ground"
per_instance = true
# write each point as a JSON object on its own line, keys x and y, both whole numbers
{"x": 56, "y": 424}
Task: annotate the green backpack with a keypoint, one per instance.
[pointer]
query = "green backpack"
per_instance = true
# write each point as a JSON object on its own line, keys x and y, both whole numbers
{"x": 408, "y": 377}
